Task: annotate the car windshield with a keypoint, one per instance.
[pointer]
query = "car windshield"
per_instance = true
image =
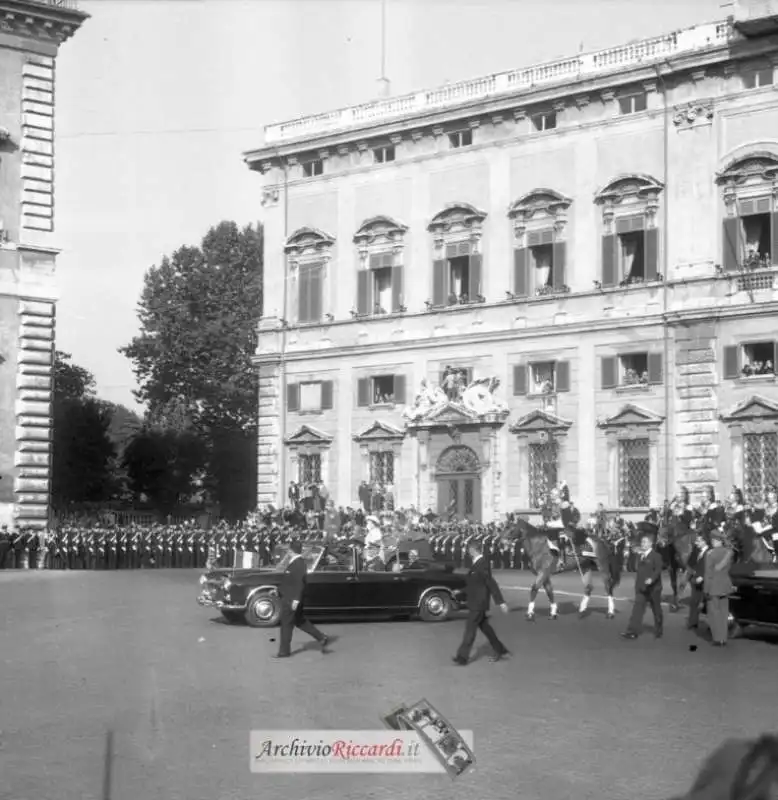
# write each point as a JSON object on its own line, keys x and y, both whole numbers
{"x": 310, "y": 554}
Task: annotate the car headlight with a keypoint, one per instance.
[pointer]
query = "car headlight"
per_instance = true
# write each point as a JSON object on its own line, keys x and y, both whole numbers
{"x": 203, "y": 580}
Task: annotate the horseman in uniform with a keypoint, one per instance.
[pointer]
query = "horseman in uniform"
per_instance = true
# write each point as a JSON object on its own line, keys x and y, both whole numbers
{"x": 764, "y": 521}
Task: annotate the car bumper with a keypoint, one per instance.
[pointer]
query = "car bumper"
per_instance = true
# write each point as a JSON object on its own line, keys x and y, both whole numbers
{"x": 207, "y": 600}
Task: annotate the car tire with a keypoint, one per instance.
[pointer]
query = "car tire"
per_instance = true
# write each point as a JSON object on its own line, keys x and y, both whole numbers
{"x": 436, "y": 607}
{"x": 233, "y": 617}
{"x": 263, "y": 610}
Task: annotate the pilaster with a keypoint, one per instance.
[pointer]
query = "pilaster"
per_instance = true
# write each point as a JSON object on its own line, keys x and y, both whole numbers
{"x": 271, "y": 458}
{"x": 33, "y": 414}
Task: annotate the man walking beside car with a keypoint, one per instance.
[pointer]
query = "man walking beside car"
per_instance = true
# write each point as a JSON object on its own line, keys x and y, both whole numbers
{"x": 292, "y": 592}
{"x": 481, "y": 587}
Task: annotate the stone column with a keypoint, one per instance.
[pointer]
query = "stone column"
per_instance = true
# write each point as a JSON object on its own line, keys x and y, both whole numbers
{"x": 424, "y": 471}
{"x": 271, "y": 458}
{"x": 487, "y": 475}
{"x": 33, "y": 413}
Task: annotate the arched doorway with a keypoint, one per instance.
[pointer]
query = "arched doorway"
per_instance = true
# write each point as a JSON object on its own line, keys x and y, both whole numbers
{"x": 458, "y": 476}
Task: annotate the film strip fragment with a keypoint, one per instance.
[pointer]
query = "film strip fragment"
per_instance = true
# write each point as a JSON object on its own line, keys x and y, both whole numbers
{"x": 394, "y": 719}
{"x": 438, "y": 734}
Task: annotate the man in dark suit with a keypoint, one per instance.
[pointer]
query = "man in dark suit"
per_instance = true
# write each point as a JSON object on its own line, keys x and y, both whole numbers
{"x": 696, "y": 578}
{"x": 648, "y": 586}
{"x": 292, "y": 592}
{"x": 481, "y": 588}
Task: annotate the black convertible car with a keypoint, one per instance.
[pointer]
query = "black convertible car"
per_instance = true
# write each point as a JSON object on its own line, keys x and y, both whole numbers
{"x": 755, "y": 599}
{"x": 340, "y": 585}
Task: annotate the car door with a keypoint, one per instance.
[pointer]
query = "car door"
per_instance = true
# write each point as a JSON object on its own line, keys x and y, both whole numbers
{"x": 764, "y": 588}
{"x": 377, "y": 591}
{"x": 331, "y": 587}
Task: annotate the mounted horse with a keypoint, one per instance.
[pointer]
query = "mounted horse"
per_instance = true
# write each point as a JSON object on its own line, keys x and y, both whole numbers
{"x": 601, "y": 548}
{"x": 677, "y": 528}
{"x": 543, "y": 559}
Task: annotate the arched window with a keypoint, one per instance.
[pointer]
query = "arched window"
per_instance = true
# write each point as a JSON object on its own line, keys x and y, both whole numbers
{"x": 630, "y": 233}
{"x": 540, "y": 227}
{"x": 380, "y": 244}
{"x": 749, "y": 185}
{"x": 308, "y": 251}
{"x": 458, "y": 263}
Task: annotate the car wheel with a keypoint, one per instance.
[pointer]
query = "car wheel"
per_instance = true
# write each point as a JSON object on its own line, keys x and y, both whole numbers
{"x": 435, "y": 607}
{"x": 264, "y": 610}
{"x": 233, "y": 617}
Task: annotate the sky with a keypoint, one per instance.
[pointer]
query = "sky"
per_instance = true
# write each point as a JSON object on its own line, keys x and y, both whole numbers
{"x": 158, "y": 99}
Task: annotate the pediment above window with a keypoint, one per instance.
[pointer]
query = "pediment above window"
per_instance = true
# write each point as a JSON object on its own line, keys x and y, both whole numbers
{"x": 308, "y": 240}
{"x": 539, "y": 201}
{"x": 380, "y": 432}
{"x": 308, "y": 435}
{"x": 755, "y": 409}
{"x": 378, "y": 230}
{"x": 756, "y": 166}
{"x": 457, "y": 216}
{"x": 454, "y": 416}
{"x": 632, "y": 416}
{"x": 540, "y": 420}
{"x": 633, "y": 186}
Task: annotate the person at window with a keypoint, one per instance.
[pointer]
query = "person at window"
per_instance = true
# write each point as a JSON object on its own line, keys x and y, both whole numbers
{"x": 450, "y": 383}
{"x": 464, "y": 299}
{"x": 453, "y": 299}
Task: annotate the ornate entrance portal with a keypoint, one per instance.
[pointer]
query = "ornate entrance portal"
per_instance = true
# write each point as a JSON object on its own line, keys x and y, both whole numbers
{"x": 458, "y": 476}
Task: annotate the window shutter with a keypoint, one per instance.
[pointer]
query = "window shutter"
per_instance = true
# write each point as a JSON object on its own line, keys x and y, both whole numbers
{"x": 558, "y": 265}
{"x": 520, "y": 272}
{"x": 609, "y": 260}
{"x": 363, "y": 291}
{"x": 399, "y": 389}
{"x": 519, "y": 380}
{"x": 562, "y": 370}
{"x": 775, "y": 355}
{"x": 655, "y": 368}
{"x": 326, "y": 395}
{"x": 610, "y": 379}
{"x": 397, "y": 288}
{"x": 292, "y": 396}
{"x": 439, "y": 282}
{"x": 774, "y": 238}
{"x": 363, "y": 392}
{"x": 317, "y": 292}
{"x": 304, "y": 295}
{"x": 652, "y": 254}
{"x": 731, "y": 243}
{"x": 731, "y": 362}
{"x": 474, "y": 289}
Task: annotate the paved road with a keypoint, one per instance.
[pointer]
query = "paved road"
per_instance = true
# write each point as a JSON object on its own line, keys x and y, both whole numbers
{"x": 576, "y": 713}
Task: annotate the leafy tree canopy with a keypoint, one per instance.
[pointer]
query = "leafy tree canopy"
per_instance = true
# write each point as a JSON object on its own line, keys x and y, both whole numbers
{"x": 198, "y": 313}
{"x": 71, "y": 382}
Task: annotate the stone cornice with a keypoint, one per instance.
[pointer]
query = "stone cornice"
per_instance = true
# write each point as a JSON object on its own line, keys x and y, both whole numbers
{"x": 44, "y": 21}
{"x": 506, "y": 105}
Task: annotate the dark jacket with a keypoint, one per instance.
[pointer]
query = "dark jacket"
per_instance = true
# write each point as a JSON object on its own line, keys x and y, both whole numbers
{"x": 293, "y": 582}
{"x": 696, "y": 565}
{"x": 649, "y": 567}
{"x": 481, "y": 587}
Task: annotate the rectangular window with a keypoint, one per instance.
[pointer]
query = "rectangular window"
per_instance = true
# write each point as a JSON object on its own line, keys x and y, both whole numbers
{"x": 310, "y": 397}
{"x": 461, "y": 138}
{"x": 756, "y": 78}
{"x": 383, "y": 389}
{"x": 309, "y": 469}
{"x": 634, "y": 474}
{"x": 632, "y": 264}
{"x": 381, "y": 469}
{"x": 454, "y": 380}
{"x": 383, "y": 155}
{"x": 758, "y": 359}
{"x": 756, "y": 236}
{"x": 633, "y": 369}
{"x": 544, "y": 122}
{"x": 543, "y": 471}
{"x": 760, "y": 457}
{"x": 313, "y": 168}
{"x": 459, "y": 279}
{"x": 542, "y": 377}
{"x": 633, "y": 103}
{"x": 310, "y": 293}
{"x": 382, "y": 290}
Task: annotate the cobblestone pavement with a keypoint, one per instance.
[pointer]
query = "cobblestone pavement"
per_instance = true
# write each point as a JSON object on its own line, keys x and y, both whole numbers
{"x": 576, "y": 713}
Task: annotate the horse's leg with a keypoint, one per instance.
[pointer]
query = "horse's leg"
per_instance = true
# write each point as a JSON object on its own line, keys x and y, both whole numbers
{"x": 609, "y": 587}
{"x": 673, "y": 570}
{"x": 553, "y": 611}
{"x": 587, "y": 580}
{"x": 533, "y": 593}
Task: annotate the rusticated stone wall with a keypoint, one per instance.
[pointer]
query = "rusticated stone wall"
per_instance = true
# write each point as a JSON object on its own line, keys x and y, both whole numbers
{"x": 9, "y": 336}
{"x": 697, "y": 407}
{"x": 33, "y": 413}
{"x": 269, "y": 451}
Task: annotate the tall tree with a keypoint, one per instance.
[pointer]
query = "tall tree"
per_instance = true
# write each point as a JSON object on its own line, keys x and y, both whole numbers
{"x": 83, "y": 453}
{"x": 198, "y": 312}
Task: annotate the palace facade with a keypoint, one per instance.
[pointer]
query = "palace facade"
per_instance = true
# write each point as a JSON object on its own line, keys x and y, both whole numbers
{"x": 30, "y": 35}
{"x": 600, "y": 234}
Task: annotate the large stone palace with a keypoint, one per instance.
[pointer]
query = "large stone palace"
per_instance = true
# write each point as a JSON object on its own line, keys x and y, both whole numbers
{"x": 30, "y": 35}
{"x": 563, "y": 272}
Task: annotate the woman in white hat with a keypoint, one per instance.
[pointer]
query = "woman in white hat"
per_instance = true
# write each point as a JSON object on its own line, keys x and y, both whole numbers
{"x": 374, "y": 540}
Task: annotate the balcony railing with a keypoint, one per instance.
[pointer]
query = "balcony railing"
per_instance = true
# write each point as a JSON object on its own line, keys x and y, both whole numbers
{"x": 756, "y": 279}
{"x": 563, "y": 71}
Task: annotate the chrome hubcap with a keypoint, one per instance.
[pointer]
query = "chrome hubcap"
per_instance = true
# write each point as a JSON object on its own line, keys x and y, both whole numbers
{"x": 263, "y": 608}
{"x": 436, "y": 605}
